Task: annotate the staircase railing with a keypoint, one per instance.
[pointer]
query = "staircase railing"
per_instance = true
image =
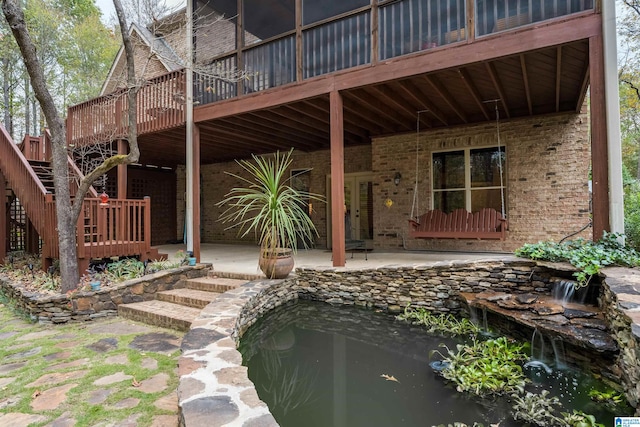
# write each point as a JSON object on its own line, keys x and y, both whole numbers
{"x": 24, "y": 182}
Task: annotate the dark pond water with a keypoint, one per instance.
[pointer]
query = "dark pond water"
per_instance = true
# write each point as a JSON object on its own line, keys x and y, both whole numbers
{"x": 320, "y": 365}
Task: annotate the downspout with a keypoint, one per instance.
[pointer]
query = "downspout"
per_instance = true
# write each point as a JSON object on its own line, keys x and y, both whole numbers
{"x": 188, "y": 217}
{"x": 612, "y": 103}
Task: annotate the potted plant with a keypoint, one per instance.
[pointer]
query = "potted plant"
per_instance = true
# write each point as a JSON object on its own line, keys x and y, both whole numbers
{"x": 268, "y": 205}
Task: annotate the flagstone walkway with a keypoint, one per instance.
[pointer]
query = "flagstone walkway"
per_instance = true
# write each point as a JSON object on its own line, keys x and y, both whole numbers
{"x": 111, "y": 372}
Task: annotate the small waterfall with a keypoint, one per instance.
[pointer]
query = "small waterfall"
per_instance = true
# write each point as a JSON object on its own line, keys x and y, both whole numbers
{"x": 475, "y": 318}
{"x": 566, "y": 291}
{"x": 537, "y": 346}
{"x": 558, "y": 353}
{"x": 540, "y": 356}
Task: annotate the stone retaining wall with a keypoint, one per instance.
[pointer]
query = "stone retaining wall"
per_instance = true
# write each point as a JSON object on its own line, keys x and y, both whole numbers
{"x": 82, "y": 306}
{"x": 215, "y": 385}
{"x": 621, "y": 304}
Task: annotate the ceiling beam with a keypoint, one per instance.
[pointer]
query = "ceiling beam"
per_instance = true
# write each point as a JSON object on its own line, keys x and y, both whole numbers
{"x": 525, "y": 81}
{"x": 471, "y": 87}
{"x": 493, "y": 73}
{"x": 412, "y": 91}
{"x": 558, "y": 76}
{"x": 369, "y": 101}
{"x": 583, "y": 90}
{"x": 446, "y": 96}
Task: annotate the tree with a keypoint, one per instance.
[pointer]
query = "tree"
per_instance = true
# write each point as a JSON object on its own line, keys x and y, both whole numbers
{"x": 68, "y": 210}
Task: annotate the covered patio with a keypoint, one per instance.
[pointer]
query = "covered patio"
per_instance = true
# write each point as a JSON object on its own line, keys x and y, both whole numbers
{"x": 242, "y": 260}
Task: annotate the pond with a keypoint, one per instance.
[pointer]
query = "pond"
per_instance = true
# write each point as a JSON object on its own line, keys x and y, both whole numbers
{"x": 320, "y": 365}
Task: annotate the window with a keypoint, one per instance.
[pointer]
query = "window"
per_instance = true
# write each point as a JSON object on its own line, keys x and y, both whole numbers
{"x": 318, "y": 10}
{"x": 470, "y": 179}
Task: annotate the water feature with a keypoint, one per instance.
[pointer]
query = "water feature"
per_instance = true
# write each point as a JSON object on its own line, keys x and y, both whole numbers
{"x": 319, "y": 365}
{"x": 566, "y": 291}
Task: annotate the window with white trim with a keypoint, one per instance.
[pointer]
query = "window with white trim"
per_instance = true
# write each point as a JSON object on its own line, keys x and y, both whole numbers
{"x": 470, "y": 178}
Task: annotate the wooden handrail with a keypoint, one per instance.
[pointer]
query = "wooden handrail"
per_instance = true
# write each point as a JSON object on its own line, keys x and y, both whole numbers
{"x": 160, "y": 106}
{"x": 23, "y": 181}
{"x": 122, "y": 227}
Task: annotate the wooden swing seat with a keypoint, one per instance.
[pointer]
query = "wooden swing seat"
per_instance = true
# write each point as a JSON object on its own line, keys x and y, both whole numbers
{"x": 459, "y": 224}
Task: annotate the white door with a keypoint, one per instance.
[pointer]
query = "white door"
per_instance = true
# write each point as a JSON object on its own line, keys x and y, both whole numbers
{"x": 358, "y": 208}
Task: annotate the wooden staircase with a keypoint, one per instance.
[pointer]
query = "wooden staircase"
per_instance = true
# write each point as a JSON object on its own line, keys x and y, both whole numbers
{"x": 121, "y": 228}
{"x": 178, "y": 308}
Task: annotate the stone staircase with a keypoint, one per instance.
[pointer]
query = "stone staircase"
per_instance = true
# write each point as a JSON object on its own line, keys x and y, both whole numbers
{"x": 178, "y": 308}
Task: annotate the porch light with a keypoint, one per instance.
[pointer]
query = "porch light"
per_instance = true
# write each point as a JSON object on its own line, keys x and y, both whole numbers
{"x": 104, "y": 199}
{"x": 396, "y": 178}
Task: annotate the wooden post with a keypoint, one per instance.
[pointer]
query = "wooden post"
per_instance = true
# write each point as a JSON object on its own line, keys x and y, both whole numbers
{"x": 599, "y": 154}
{"x": 4, "y": 224}
{"x": 196, "y": 192}
{"x": 337, "y": 179}
{"x": 299, "y": 48}
{"x": 122, "y": 171}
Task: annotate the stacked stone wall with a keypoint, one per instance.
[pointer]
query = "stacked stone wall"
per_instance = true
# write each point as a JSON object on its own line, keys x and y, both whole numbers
{"x": 88, "y": 305}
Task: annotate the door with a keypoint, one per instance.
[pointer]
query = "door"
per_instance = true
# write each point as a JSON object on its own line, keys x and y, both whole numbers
{"x": 358, "y": 213}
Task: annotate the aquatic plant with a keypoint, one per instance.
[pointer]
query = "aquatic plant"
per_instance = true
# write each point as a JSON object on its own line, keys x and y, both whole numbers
{"x": 445, "y": 324}
{"x": 537, "y": 409}
{"x": 580, "y": 419}
{"x": 486, "y": 368}
{"x": 587, "y": 256}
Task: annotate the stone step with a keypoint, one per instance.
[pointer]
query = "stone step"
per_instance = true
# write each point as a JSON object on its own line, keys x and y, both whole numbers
{"x": 241, "y": 276}
{"x": 214, "y": 284}
{"x": 188, "y": 297}
{"x": 160, "y": 313}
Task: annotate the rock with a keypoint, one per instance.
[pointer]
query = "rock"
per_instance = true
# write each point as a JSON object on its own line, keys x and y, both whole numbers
{"x": 548, "y": 309}
{"x": 511, "y": 304}
{"x": 526, "y": 298}
{"x": 571, "y": 313}
{"x": 50, "y": 399}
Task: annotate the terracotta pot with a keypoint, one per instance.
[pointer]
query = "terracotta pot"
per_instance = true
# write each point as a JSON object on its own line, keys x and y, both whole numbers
{"x": 277, "y": 264}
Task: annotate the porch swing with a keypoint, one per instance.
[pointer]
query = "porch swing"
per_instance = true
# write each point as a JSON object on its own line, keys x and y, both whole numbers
{"x": 487, "y": 223}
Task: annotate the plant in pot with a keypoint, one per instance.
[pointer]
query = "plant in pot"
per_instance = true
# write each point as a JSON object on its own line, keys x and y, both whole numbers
{"x": 273, "y": 209}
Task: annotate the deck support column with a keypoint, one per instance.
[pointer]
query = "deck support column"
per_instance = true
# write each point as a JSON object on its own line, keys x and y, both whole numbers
{"x": 4, "y": 224}
{"x": 599, "y": 152}
{"x": 337, "y": 179}
{"x": 612, "y": 104}
{"x": 196, "y": 192}
{"x": 122, "y": 170}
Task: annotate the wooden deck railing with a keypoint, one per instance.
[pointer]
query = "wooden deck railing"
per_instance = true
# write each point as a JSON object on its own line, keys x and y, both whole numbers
{"x": 160, "y": 106}
{"x": 36, "y": 148}
{"x": 120, "y": 228}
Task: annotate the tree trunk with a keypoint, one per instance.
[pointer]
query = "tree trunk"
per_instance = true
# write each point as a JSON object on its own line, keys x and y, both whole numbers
{"x": 66, "y": 221}
{"x": 6, "y": 97}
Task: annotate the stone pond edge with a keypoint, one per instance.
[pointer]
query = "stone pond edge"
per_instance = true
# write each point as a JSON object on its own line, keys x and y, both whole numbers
{"x": 215, "y": 385}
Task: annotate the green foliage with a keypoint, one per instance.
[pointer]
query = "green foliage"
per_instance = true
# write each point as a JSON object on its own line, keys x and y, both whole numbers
{"x": 459, "y": 424}
{"x": 537, "y": 409}
{"x": 580, "y": 419}
{"x": 631, "y": 210}
{"x": 587, "y": 256}
{"x": 268, "y": 205}
{"x": 126, "y": 269}
{"x": 486, "y": 368}
{"x": 442, "y": 323}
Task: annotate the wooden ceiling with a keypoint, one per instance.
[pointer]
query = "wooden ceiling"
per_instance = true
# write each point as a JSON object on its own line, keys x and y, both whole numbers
{"x": 542, "y": 81}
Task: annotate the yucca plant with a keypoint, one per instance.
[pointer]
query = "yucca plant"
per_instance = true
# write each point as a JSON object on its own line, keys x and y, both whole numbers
{"x": 269, "y": 206}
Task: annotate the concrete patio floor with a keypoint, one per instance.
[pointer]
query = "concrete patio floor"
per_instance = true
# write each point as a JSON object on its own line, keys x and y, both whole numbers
{"x": 243, "y": 259}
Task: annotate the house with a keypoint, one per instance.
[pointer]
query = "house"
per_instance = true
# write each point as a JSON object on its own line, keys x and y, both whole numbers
{"x": 395, "y": 108}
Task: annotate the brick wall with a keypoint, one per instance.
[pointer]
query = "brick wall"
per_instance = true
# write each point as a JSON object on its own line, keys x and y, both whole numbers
{"x": 216, "y": 183}
{"x": 546, "y": 176}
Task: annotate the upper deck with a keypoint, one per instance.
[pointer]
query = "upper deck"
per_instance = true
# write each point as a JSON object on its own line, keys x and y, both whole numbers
{"x": 446, "y": 56}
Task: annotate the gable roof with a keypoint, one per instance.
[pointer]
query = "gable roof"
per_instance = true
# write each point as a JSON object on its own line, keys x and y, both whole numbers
{"x": 157, "y": 46}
